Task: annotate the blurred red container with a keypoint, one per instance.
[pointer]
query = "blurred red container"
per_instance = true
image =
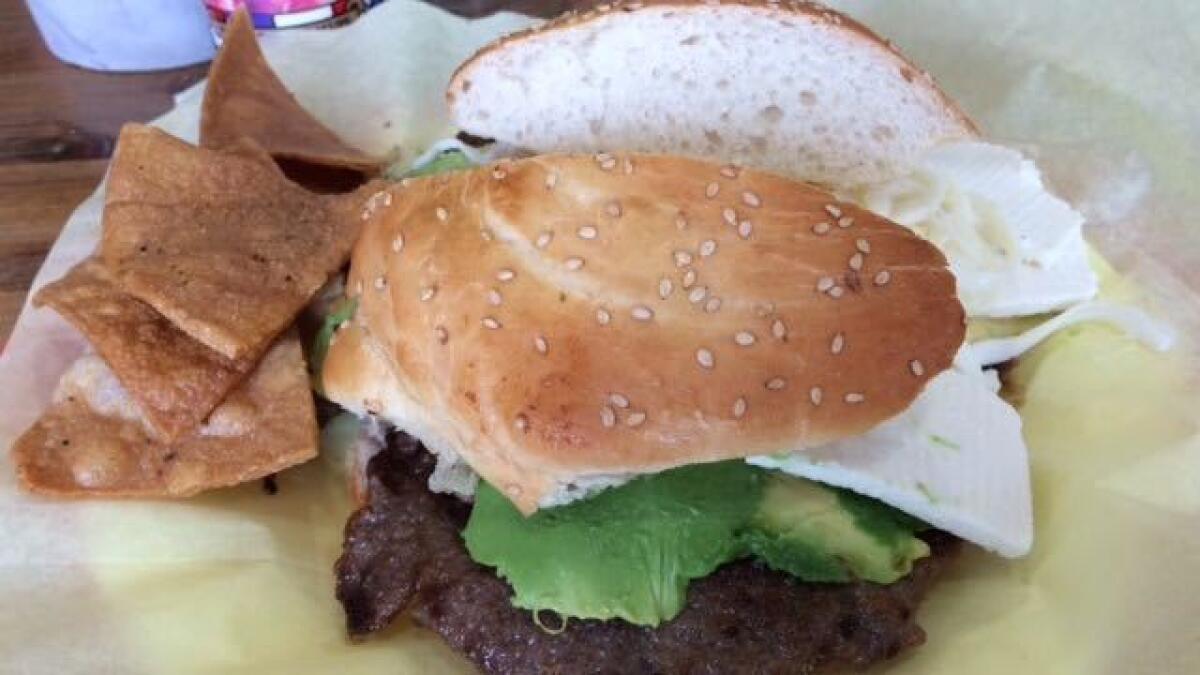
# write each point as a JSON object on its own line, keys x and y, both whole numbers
{"x": 283, "y": 14}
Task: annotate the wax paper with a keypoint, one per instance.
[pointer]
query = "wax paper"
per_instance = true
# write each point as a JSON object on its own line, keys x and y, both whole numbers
{"x": 1103, "y": 93}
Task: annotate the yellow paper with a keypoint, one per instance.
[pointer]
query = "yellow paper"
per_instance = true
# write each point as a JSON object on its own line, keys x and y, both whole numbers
{"x": 1104, "y": 94}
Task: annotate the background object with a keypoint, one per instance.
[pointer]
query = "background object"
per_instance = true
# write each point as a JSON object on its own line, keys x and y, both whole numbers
{"x": 284, "y": 14}
{"x": 124, "y": 35}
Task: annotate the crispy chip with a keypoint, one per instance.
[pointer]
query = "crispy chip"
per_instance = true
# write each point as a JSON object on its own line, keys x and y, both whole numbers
{"x": 93, "y": 440}
{"x": 174, "y": 379}
{"x": 244, "y": 98}
{"x": 220, "y": 243}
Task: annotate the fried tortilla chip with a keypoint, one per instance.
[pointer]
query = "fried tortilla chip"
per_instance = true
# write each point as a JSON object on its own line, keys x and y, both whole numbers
{"x": 93, "y": 440}
{"x": 174, "y": 379}
{"x": 220, "y": 243}
{"x": 244, "y": 98}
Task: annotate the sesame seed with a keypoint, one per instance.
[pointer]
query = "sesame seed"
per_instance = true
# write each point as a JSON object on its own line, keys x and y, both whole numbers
{"x": 729, "y": 171}
{"x": 506, "y": 274}
{"x": 845, "y": 222}
{"x": 745, "y": 228}
{"x": 544, "y": 239}
{"x": 856, "y": 262}
{"x": 836, "y": 292}
{"x": 712, "y": 305}
{"x": 680, "y": 222}
{"x": 603, "y": 317}
{"x": 398, "y": 243}
{"x": 573, "y": 263}
{"x": 854, "y": 397}
{"x": 682, "y": 258}
{"x": 619, "y": 400}
{"x": 779, "y": 329}
{"x": 551, "y": 180}
{"x": 862, "y": 245}
{"x": 739, "y": 407}
{"x": 642, "y": 313}
{"x": 764, "y": 309}
{"x": 541, "y": 345}
{"x": 882, "y": 278}
{"x": 613, "y": 209}
{"x": 490, "y": 322}
{"x": 665, "y": 287}
{"x": 635, "y": 419}
{"x": 627, "y": 165}
{"x": 712, "y": 189}
{"x": 486, "y": 235}
{"x": 824, "y": 284}
{"x": 697, "y": 294}
{"x": 708, "y": 247}
{"x": 916, "y": 367}
{"x": 705, "y": 358}
{"x": 521, "y": 423}
{"x": 380, "y": 283}
{"x": 358, "y": 287}
{"x": 816, "y": 395}
{"x": 750, "y": 199}
{"x": 689, "y": 278}
{"x": 775, "y": 384}
{"x": 441, "y": 213}
{"x": 608, "y": 417}
{"x": 588, "y": 232}
{"x": 494, "y": 298}
{"x": 427, "y": 293}
{"x": 744, "y": 338}
{"x": 837, "y": 344}
{"x": 833, "y": 211}
{"x": 606, "y": 161}
{"x": 498, "y": 173}
{"x": 443, "y": 335}
{"x": 821, "y": 228}
{"x": 729, "y": 216}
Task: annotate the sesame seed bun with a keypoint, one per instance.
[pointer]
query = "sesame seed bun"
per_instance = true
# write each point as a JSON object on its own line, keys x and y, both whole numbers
{"x": 561, "y": 318}
{"x": 790, "y": 87}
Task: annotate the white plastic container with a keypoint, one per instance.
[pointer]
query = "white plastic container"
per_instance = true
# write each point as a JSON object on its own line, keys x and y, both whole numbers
{"x": 125, "y": 35}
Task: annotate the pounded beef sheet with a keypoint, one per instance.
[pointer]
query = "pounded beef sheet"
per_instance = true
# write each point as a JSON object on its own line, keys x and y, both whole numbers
{"x": 403, "y": 553}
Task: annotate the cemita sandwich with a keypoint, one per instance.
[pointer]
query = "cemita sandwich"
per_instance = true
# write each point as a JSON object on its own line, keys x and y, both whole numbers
{"x": 687, "y": 366}
{"x": 709, "y": 419}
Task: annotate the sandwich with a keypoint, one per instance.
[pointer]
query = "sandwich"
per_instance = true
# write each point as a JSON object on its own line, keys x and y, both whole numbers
{"x": 700, "y": 375}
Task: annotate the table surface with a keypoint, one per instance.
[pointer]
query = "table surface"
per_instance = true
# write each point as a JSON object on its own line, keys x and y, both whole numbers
{"x": 57, "y": 128}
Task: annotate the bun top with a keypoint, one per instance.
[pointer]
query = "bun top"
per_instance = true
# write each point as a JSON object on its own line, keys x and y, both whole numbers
{"x": 791, "y": 87}
{"x": 567, "y": 317}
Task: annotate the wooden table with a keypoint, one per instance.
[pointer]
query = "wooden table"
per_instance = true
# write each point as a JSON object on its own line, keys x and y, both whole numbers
{"x": 57, "y": 128}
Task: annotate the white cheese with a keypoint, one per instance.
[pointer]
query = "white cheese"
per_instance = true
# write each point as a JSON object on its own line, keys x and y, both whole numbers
{"x": 1015, "y": 248}
{"x": 1139, "y": 325}
{"x": 955, "y": 459}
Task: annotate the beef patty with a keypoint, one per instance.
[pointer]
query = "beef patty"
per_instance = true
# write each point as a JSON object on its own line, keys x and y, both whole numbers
{"x": 403, "y": 552}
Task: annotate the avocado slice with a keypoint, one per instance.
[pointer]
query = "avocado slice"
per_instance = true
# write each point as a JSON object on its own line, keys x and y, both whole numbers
{"x": 631, "y": 551}
{"x": 819, "y": 533}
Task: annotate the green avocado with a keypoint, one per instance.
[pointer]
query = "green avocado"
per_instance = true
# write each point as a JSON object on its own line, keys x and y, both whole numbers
{"x": 819, "y": 533}
{"x": 629, "y": 552}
